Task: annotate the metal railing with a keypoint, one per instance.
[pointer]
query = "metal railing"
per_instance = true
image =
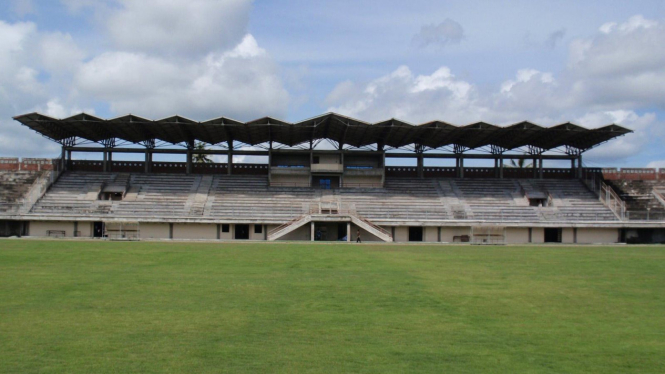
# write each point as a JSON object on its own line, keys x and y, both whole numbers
{"x": 645, "y": 215}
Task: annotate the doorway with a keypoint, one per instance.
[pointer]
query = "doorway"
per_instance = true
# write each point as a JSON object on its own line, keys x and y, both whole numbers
{"x": 242, "y": 232}
{"x": 97, "y": 229}
{"x": 416, "y": 234}
{"x": 552, "y": 235}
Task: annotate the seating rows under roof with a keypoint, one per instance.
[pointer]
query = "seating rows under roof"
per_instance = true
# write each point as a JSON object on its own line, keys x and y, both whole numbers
{"x": 392, "y": 133}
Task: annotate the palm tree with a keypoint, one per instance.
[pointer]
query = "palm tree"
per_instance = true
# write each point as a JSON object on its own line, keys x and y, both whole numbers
{"x": 201, "y": 158}
{"x": 520, "y": 164}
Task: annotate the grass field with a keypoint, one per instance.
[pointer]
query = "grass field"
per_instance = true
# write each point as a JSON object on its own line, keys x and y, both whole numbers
{"x": 150, "y": 307}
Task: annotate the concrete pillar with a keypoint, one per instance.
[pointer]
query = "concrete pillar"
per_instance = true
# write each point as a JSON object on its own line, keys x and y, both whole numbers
{"x": 496, "y": 167}
{"x": 189, "y": 161}
{"x": 501, "y": 167}
{"x": 229, "y": 162}
{"x": 110, "y": 161}
{"x": 311, "y": 224}
{"x": 341, "y": 177}
{"x": 148, "y": 160}
{"x": 540, "y": 167}
{"x": 461, "y": 166}
{"x": 420, "y": 163}
{"x": 383, "y": 168}
{"x": 534, "y": 166}
{"x": 105, "y": 162}
{"x": 270, "y": 164}
{"x": 348, "y": 231}
{"x": 63, "y": 159}
{"x": 572, "y": 167}
{"x": 579, "y": 166}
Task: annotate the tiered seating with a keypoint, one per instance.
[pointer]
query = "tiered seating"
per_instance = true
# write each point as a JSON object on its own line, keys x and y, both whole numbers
{"x": 495, "y": 200}
{"x": 162, "y": 195}
{"x": 573, "y": 201}
{"x": 74, "y": 192}
{"x": 250, "y": 197}
{"x": 639, "y": 197}
{"x": 13, "y": 187}
{"x": 400, "y": 199}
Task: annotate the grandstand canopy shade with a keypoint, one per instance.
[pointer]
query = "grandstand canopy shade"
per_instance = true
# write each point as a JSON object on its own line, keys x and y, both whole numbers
{"x": 341, "y": 129}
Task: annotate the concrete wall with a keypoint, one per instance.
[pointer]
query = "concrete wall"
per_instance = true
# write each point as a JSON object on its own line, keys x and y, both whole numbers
{"x": 431, "y": 234}
{"x": 328, "y": 159}
{"x": 537, "y": 235}
{"x": 301, "y": 233}
{"x": 517, "y": 235}
{"x": 40, "y": 228}
{"x": 226, "y": 235}
{"x": 85, "y": 229}
{"x": 193, "y": 231}
{"x": 567, "y": 235}
{"x": 401, "y": 234}
{"x": 362, "y": 179}
{"x": 597, "y": 235}
{"x": 365, "y": 236}
{"x": 290, "y": 179}
{"x": 255, "y": 236}
{"x": 154, "y": 230}
{"x": 448, "y": 234}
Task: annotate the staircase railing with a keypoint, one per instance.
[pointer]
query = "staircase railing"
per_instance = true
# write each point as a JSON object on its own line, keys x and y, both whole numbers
{"x": 612, "y": 200}
{"x": 375, "y": 227}
{"x": 285, "y": 225}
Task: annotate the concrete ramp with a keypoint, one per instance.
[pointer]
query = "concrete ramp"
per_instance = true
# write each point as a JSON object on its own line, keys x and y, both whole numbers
{"x": 288, "y": 227}
{"x": 373, "y": 229}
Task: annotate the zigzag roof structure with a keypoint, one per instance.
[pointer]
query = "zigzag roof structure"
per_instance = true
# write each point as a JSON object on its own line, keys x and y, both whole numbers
{"x": 341, "y": 129}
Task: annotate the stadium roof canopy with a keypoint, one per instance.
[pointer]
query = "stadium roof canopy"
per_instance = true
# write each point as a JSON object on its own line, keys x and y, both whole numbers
{"x": 341, "y": 129}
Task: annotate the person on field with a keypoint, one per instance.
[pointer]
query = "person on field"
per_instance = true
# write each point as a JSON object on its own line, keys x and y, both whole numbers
{"x": 358, "y": 237}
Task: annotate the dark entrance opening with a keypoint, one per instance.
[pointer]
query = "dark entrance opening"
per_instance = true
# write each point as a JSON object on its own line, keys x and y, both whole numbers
{"x": 552, "y": 235}
{"x": 12, "y": 228}
{"x": 341, "y": 231}
{"x": 98, "y": 229}
{"x": 416, "y": 234}
{"x": 242, "y": 231}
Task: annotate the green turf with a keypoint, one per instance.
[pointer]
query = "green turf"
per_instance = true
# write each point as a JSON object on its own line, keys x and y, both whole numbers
{"x": 103, "y": 307}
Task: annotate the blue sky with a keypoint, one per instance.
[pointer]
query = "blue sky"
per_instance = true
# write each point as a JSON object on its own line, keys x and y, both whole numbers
{"x": 592, "y": 63}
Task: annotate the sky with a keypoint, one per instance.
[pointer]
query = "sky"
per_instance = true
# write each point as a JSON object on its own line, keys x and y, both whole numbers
{"x": 592, "y": 63}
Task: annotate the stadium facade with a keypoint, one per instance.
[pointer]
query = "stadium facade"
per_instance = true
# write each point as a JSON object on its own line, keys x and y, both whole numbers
{"x": 326, "y": 178}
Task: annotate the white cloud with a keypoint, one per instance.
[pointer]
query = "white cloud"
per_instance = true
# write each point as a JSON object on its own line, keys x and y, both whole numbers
{"x": 238, "y": 82}
{"x": 403, "y": 95}
{"x": 445, "y": 33}
{"x": 178, "y": 26}
{"x": 60, "y": 53}
{"x": 659, "y": 164}
{"x": 613, "y": 77}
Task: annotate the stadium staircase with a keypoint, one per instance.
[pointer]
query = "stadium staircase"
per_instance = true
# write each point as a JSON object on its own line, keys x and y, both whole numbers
{"x": 329, "y": 211}
{"x": 644, "y": 199}
{"x": 15, "y": 188}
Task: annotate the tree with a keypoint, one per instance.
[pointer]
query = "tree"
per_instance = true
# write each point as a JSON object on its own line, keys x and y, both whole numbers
{"x": 520, "y": 164}
{"x": 201, "y": 158}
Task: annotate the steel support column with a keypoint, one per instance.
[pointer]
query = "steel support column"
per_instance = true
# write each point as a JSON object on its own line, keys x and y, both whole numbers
{"x": 501, "y": 166}
{"x": 229, "y": 161}
{"x": 540, "y": 167}
{"x": 148, "y": 160}
{"x": 63, "y": 160}
{"x": 348, "y": 231}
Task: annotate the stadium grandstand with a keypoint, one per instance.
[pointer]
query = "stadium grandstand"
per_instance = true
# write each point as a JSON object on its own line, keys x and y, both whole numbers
{"x": 326, "y": 178}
